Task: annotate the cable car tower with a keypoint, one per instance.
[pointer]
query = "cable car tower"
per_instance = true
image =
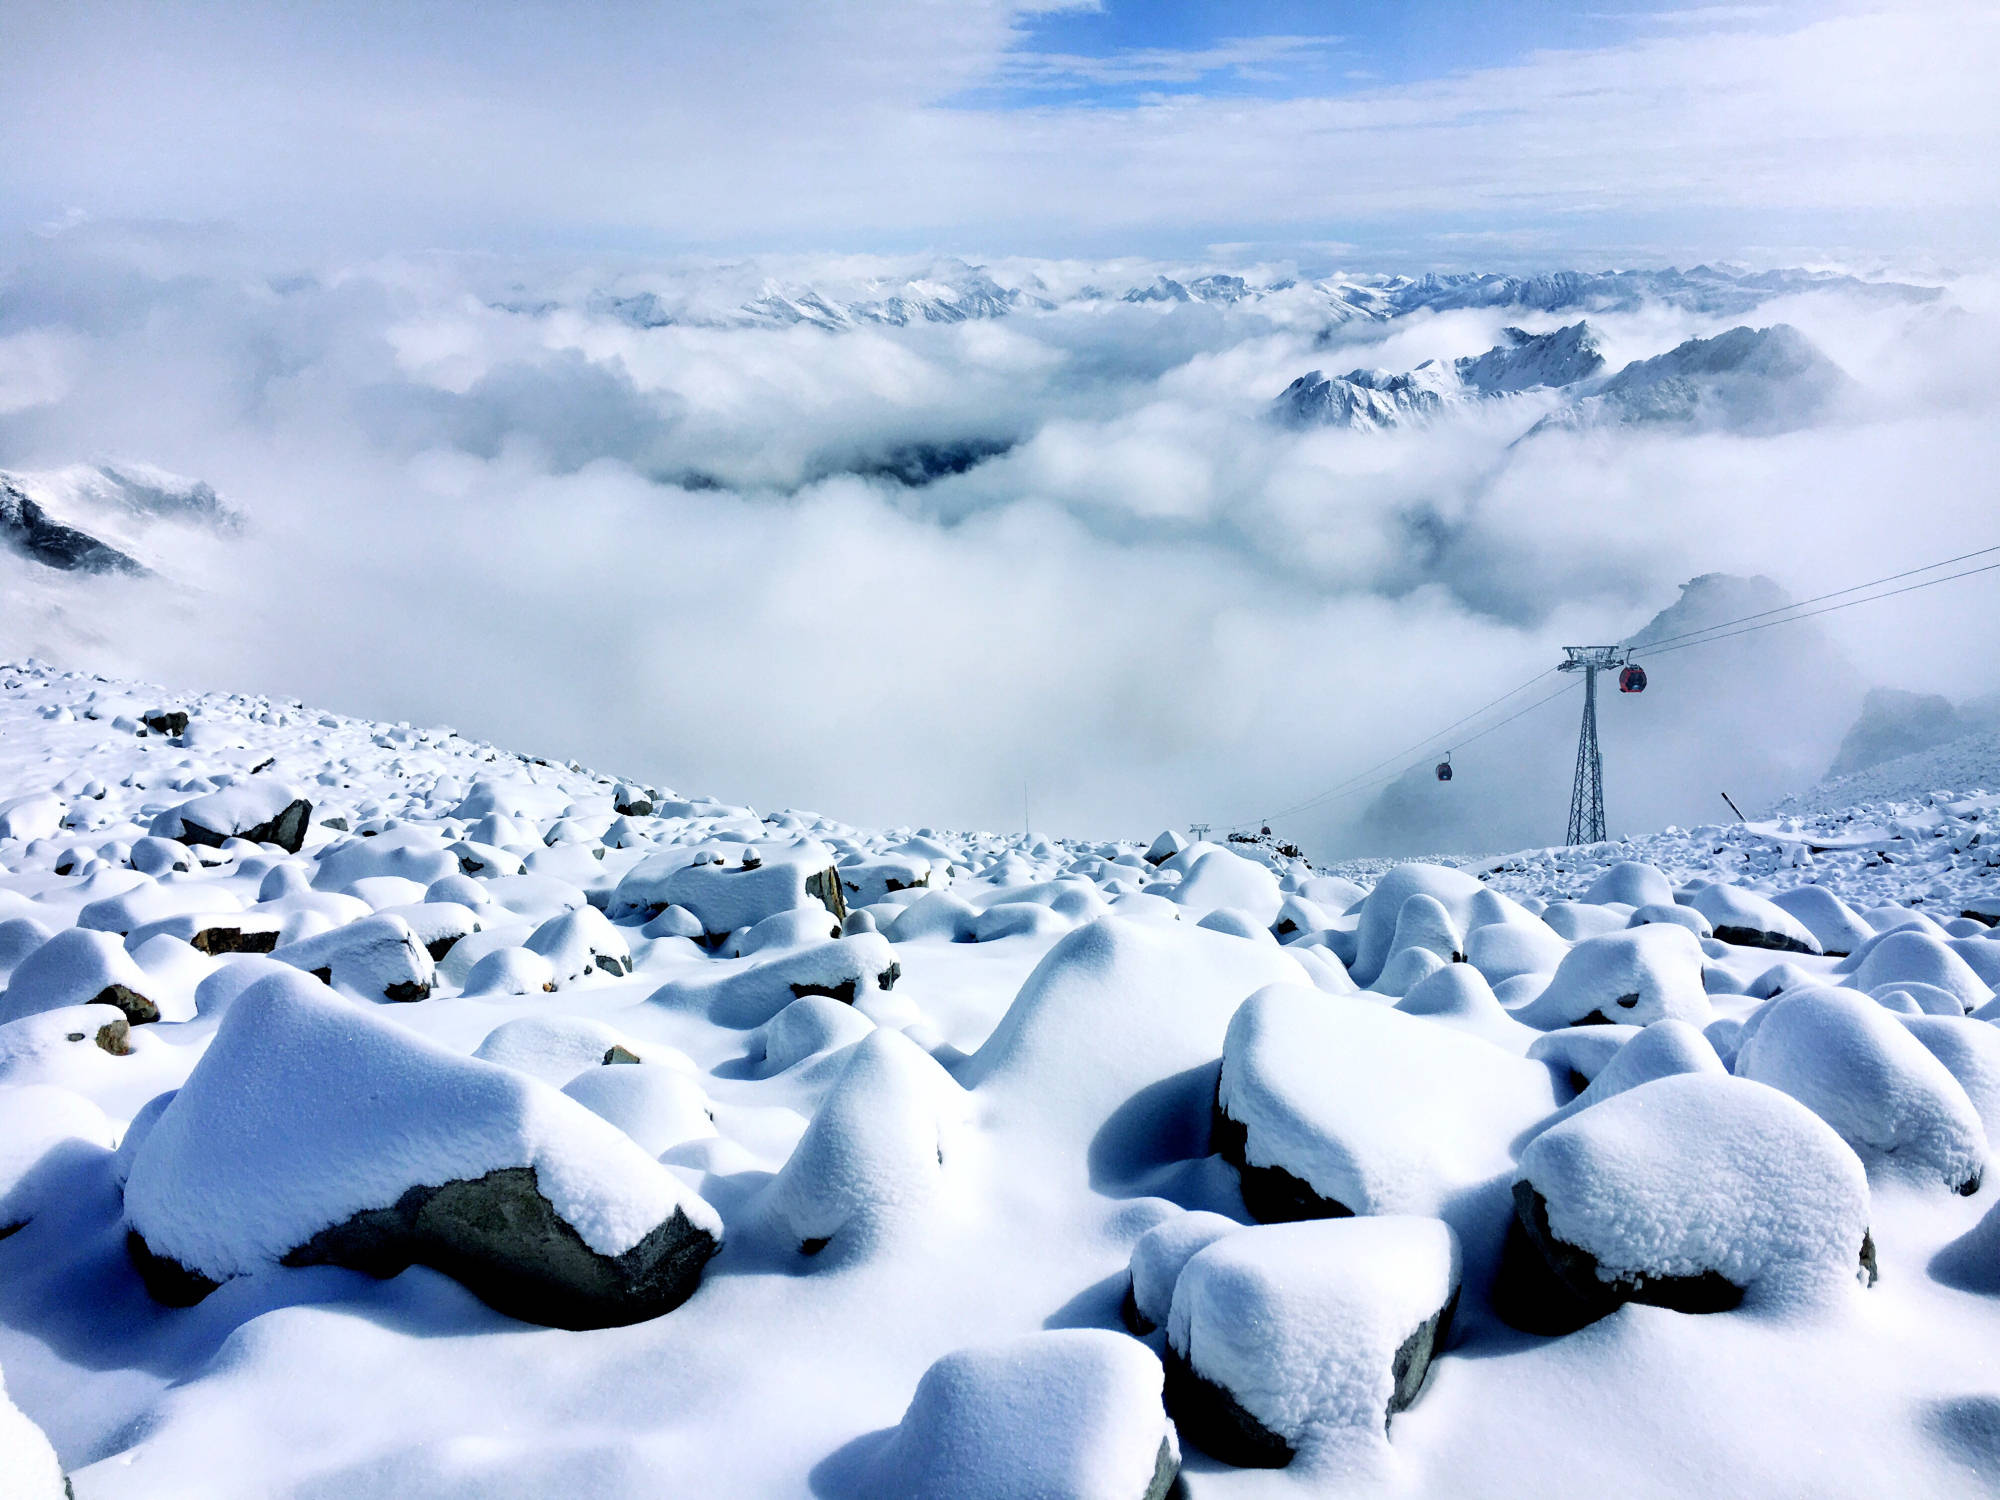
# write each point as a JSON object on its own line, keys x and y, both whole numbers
{"x": 1586, "y": 798}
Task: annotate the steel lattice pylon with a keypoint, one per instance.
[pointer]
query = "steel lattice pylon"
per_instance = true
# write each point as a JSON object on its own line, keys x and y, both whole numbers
{"x": 1586, "y": 798}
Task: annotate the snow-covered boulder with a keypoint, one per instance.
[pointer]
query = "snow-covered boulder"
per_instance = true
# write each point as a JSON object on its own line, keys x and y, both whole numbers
{"x": 1287, "y": 1335}
{"x": 1749, "y": 920}
{"x": 1072, "y": 1414}
{"x": 876, "y": 1152}
{"x": 409, "y": 851}
{"x": 844, "y": 969}
{"x": 262, "y": 811}
{"x": 1690, "y": 1192}
{"x": 1157, "y": 1258}
{"x": 1633, "y": 977}
{"x": 1330, "y": 1106}
{"x": 509, "y": 971}
{"x": 539, "y": 1206}
{"x": 38, "y": 815}
{"x": 733, "y": 886}
{"x": 581, "y": 942}
{"x": 79, "y": 967}
{"x": 1858, "y": 1068}
{"x": 1836, "y": 925}
{"x": 1165, "y": 847}
{"x": 1406, "y": 970}
{"x": 866, "y": 880}
{"x": 377, "y": 958}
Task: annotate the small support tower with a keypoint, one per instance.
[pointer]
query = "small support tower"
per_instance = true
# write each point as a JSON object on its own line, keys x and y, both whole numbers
{"x": 1586, "y": 798}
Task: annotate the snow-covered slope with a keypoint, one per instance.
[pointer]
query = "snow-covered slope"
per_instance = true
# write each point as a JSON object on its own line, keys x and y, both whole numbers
{"x": 935, "y": 1148}
{"x": 1746, "y": 380}
{"x": 1378, "y": 399}
{"x": 103, "y": 518}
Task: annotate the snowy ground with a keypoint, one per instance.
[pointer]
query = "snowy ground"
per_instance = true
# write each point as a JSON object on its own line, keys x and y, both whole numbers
{"x": 996, "y": 1083}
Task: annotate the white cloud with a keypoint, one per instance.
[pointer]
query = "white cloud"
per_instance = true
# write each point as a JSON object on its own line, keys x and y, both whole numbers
{"x": 812, "y": 126}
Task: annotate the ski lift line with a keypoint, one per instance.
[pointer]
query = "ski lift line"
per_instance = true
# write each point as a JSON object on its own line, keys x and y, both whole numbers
{"x": 1384, "y": 780}
{"x": 1411, "y": 749}
{"x": 1907, "y": 588}
{"x": 1572, "y": 686}
{"x": 1654, "y": 648}
{"x": 1682, "y": 642}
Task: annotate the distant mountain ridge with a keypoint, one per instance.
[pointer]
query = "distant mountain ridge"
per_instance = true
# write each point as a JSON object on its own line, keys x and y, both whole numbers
{"x": 1746, "y": 380}
{"x": 1378, "y": 399}
{"x": 957, "y": 291}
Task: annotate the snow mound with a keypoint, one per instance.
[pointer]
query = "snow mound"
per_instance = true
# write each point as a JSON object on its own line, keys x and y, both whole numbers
{"x": 1858, "y": 1068}
{"x": 1282, "y": 1336}
{"x": 1633, "y": 977}
{"x": 1689, "y": 1192}
{"x": 1113, "y": 1009}
{"x": 1074, "y": 1414}
{"x": 557, "y": 1048}
{"x": 30, "y": 1470}
{"x": 808, "y": 1027}
{"x": 1454, "y": 890}
{"x": 1907, "y": 957}
{"x": 876, "y": 1153}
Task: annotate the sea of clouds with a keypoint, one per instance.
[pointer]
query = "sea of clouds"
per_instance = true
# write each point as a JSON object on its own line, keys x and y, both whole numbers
{"x": 479, "y": 492}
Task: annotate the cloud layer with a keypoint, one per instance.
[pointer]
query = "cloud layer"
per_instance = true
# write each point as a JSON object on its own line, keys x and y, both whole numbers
{"x": 1864, "y": 129}
{"x": 481, "y": 492}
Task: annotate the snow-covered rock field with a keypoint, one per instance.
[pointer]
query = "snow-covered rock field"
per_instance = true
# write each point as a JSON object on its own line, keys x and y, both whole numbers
{"x": 383, "y": 1113}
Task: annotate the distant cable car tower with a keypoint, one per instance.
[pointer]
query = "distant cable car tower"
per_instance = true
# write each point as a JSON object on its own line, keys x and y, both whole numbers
{"x": 1586, "y": 798}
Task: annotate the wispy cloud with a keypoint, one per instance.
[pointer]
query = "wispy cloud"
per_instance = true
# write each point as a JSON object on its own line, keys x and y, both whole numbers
{"x": 1258, "y": 58}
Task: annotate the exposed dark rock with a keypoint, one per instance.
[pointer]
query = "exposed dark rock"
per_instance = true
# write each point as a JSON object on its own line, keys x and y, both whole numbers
{"x": 287, "y": 830}
{"x": 1757, "y": 937}
{"x": 824, "y": 886}
{"x": 1548, "y": 1286}
{"x": 216, "y": 941}
{"x": 618, "y": 1054}
{"x": 1273, "y": 1195}
{"x": 639, "y": 807}
{"x": 173, "y": 724}
{"x": 138, "y": 1009}
{"x": 36, "y": 534}
{"x": 1215, "y": 1422}
{"x": 499, "y": 1237}
{"x": 404, "y": 990}
{"x": 115, "y": 1037}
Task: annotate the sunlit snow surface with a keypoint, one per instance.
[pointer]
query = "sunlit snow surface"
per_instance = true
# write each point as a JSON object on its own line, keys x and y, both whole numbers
{"x": 969, "y": 1156}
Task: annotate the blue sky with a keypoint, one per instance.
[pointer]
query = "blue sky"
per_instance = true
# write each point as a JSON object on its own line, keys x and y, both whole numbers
{"x": 1123, "y": 51}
